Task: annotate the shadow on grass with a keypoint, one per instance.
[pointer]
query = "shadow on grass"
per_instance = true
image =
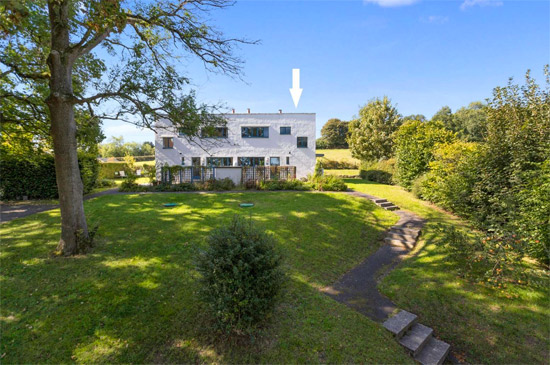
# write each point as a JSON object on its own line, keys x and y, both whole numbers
{"x": 134, "y": 299}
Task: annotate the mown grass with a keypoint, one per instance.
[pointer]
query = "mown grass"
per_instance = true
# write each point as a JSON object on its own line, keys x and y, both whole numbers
{"x": 338, "y": 155}
{"x": 483, "y": 324}
{"x": 133, "y": 299}
{"x": 342, "y": 172}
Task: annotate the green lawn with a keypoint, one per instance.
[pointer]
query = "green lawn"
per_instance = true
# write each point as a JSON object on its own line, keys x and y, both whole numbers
{"x": 139, "y": 180}
{"x": 485, "y": 325}
{"x": 338, "y": 155}
{"x": 133, "y": 299}
{"x": 342, "y": 172}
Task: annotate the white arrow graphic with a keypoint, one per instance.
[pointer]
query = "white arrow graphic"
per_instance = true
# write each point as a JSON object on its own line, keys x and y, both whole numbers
{"x": 296, "y": 92}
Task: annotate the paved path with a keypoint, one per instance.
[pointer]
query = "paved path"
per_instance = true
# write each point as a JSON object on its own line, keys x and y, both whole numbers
{"x": 9, "y": 212}
{"x": 358, "y": 288}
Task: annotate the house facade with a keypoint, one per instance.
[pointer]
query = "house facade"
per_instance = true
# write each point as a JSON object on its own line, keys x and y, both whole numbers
{"x": 250, "y": 139}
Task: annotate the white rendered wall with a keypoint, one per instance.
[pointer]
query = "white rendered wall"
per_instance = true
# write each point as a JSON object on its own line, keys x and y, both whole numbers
{"x": 277, "y": 145}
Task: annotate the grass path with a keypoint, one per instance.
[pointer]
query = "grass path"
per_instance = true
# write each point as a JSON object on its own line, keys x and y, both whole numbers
{"x": 483, "y": 324}
{"x": 133, "y": 299}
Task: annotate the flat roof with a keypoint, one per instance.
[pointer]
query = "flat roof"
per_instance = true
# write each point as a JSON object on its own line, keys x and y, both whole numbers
{"x": 263, "y": 113}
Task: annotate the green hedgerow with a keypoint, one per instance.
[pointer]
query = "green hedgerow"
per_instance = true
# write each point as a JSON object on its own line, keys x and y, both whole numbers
{"x": 241, "y": 276}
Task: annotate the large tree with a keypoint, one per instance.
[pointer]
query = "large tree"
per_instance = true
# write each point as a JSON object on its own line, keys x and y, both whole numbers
{"x": 335, "y": 133}
{"x": 50, "y": 48}
{"x": 371, "y": 135}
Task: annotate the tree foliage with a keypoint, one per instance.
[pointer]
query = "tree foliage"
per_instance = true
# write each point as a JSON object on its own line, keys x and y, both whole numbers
{"x": 415, "y": 143}
{"x": 335, "y": 133}
{"x": 371, "y": 135}
{"x": 116, "y": 147}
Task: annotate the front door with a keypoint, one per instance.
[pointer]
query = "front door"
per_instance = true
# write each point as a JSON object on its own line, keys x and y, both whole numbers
{"x": 196, "y": 170}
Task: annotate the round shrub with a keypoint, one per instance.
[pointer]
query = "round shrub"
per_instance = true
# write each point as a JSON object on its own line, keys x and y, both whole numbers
{"x": 241, "y": 276}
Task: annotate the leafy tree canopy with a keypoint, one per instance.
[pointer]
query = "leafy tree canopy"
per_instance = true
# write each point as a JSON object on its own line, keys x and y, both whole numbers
{"x": 335, "y": 133}
{"x": 371, "y": 135}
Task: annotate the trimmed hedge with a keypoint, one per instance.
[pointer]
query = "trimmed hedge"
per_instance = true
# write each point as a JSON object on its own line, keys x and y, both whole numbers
{"x": 35, "y": 177}
{"x": 381, "y": 172}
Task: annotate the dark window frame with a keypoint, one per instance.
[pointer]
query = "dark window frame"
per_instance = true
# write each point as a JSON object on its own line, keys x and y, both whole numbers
{"x": 254, "y": 132}
{"x": 251, "y": 161}
{"x": 277, "y": 164}
{"x": 285, "y": 131}
{"x": 221, "y": 132}
{"x": 223, "y": 161}
{"x": 170, "y": 143}
{"x": 301, "y": 142}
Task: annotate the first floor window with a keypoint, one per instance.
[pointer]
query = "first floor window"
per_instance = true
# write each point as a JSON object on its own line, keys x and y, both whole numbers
{"x": 255, "y": 132}
{"x": 181, "y": 132}
{"x": 251, "y": 161}
{"x": 219, "y": 161}
{"x": 219, "y": 132}
{"x": 302, "y": 142}
{"x": 285, "y": 130}
{"x": 167, "y": 142}
{"x": 274, "y": 161}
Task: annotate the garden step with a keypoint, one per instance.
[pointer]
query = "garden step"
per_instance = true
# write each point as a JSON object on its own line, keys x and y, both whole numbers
{"x": 380, "y": 200}
{"x": 392, "y": 207}
{"x": 385, "y": 204}
{"x": 401, "y": 236}
{"x": 433, "y": 353}
{"x": 400, "y": 323}
{"x": 400, "y": 243}
{"x": 416, "y": 338}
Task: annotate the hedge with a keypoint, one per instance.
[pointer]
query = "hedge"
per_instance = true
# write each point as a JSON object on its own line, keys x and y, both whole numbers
{"x": 35, "y": 177}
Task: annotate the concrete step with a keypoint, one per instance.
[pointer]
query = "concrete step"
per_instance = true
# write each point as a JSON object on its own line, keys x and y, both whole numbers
{"x": 385, "y": 204}
{"x": 409, "y": 231}
{"x": 380, "y": 200}
{"x": 392, "y": 207}
{"x": 400, "y": 243}
{"x": 400, "y": 323}
{"x": 433, "y": 353}
{"x": 400, "y": 236}
{"x": 416, "y": 338}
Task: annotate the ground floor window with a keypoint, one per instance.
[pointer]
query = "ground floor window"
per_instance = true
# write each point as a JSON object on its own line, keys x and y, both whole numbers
{"x": 274, "y": 161}
{"x": 219, "y": 161}
{"x": 251, "y": 161}
{"x": 287, "y": 160}
{"x": 183, "y": 161}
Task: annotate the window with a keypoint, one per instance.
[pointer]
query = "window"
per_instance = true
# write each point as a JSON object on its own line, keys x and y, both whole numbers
{"x": 183, "y": 161}
{"x": 181, "y": 132}
{"x": 274, "y": 161}
{"x": 219, "y": 132}
{"x": 285, "y": 130}
{"x": 287, "y": 160}
{"x": 167, "y": 142}
{"x": 255, "y": 132}
{"x": 219, "y": 161}
{"x": 251, "y": 161}
{"x": 302, "y": 142}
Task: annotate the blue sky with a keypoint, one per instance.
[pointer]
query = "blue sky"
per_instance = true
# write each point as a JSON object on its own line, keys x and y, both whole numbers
{"x": 422, "y": 54}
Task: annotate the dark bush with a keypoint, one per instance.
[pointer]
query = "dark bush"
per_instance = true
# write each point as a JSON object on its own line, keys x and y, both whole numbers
{"x": 328, "y": 183}
{"x": 282, "y": 185}
{"x": 241, "y": 276}
{"x": 338, "y": 165}
{"x": 381, "y": 172}
{"x": 34, "y": 176}
{"x": 217, "y": 185}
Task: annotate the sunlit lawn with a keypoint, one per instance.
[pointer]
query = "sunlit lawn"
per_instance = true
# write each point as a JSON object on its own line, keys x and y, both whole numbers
{"x": 487, "y": 325}
{"x": 342, "y": 172}
{"x": 338, "y": 155}
{"x": 139, "y": 180}
{"x": 133, "y": 299}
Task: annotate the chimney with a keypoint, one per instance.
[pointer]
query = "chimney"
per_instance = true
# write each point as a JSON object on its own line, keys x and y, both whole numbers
{"x": 248, "y": 110}
{"x": 280, "y": 111}
{"x": 233, "y": 111}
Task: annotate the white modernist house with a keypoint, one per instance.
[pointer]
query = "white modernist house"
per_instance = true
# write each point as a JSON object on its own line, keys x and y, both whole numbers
{"x": 251, "y": 139}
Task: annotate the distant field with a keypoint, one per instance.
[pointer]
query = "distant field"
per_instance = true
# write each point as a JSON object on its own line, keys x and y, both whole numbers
{"x": 338, "y": 155}
{"x": 342, "y": 172}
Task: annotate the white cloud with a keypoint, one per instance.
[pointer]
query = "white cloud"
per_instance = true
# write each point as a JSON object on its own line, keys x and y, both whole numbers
{"x": 391, "y": 3}
{"x": 435, "y": 19}
{"x": 469, "y": 3}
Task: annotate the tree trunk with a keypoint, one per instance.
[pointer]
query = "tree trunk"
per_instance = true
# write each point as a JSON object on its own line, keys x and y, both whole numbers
{"x": 74, "y": 230}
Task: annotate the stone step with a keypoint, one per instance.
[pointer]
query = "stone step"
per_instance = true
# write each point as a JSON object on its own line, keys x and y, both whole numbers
{"x": 385, "y": 204}
{"x": 400, "y": 323}
{"x": 399, "y": 243}
{"x": 416, "y": 338}
{"x": 400, "y": 236}
{"x": 380, "y": 200}
{"x": 392, "y": 207}
{"x": 433, "y": 353}
{"x": 410, "y": 231}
